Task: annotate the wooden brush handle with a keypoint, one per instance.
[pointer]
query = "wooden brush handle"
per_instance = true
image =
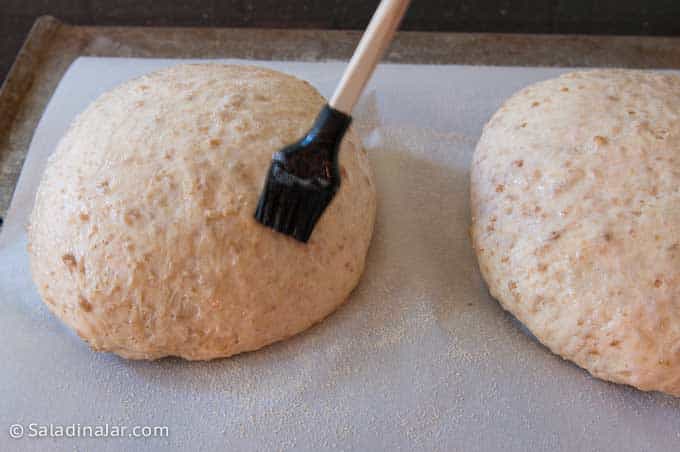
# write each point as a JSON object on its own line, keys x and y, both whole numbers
{"x": 373, "y": 43}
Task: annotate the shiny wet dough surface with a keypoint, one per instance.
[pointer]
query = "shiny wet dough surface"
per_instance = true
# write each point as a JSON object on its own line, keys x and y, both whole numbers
{"x": 142, "y": 238}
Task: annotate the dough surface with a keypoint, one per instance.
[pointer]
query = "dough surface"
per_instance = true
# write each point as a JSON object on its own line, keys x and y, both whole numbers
{"x": 575, "y": 195}
{"x": 142, "y": 237}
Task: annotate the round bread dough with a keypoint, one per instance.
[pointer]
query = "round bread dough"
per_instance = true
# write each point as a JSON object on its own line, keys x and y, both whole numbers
{"x": 143, "y": 240}
{"x": 575, "y": 195}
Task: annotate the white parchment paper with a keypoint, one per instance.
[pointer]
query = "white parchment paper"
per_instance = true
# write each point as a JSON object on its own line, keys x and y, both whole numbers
{"x": 420, "y": 358}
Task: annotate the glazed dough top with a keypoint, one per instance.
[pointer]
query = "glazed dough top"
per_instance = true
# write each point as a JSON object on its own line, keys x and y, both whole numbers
{"x": 142, "y": 236}
{"x": 576, "y": 220}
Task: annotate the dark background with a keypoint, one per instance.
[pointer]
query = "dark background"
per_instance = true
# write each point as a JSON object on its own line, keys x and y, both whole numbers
{"x": 628, "y": 17}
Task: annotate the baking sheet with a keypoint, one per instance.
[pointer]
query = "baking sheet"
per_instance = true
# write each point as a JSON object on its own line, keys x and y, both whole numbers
{"x": 420, "y": 358}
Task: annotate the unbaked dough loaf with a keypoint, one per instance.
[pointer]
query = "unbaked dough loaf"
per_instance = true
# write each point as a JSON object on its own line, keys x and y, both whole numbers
{"x": 143, "y": 240}
{"x": 576, "y": 220}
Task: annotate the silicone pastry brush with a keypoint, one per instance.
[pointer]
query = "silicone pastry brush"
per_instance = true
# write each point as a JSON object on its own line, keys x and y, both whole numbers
{"x": 304, "y": 176}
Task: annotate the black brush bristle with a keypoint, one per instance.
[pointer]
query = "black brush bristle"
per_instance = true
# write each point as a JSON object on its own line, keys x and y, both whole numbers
{"x": 303, "y": 178}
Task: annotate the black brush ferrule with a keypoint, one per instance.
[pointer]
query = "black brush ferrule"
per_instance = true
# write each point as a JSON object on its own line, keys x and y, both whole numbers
{"x": 329, "y": 127}
{"x": 315, "y": 157}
